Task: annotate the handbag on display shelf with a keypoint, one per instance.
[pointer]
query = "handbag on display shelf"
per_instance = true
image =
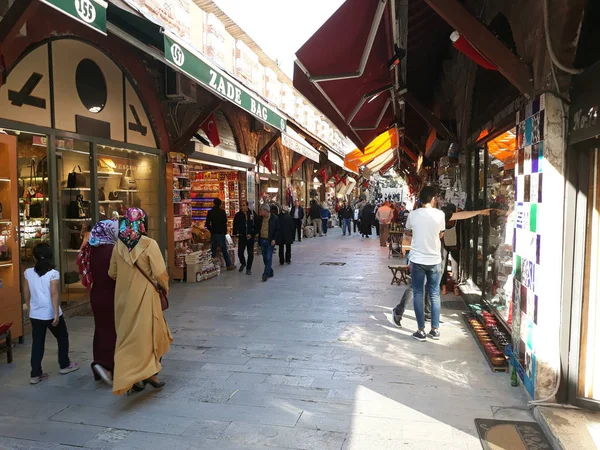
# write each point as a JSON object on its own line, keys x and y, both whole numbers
{"x": 128, "y": 183}
{"x": 36, "y": 210}
{"x": 101, "y": 195}
{"x": 106, "y": 164}
{"x": 71, "y": 277}
{"x": 76, "y": 179}
{"x": 113, "y": 195}
{"x": 164, "y": 300}
{"x": 76, "y": 240}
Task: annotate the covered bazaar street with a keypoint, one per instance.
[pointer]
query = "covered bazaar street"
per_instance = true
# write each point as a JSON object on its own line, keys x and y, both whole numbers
{"x": 308, "y": 360}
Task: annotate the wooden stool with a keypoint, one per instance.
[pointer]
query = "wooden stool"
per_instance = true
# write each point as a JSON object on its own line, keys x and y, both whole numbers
{"x": 403, "y": 270}
{"x": 5, "y": 336}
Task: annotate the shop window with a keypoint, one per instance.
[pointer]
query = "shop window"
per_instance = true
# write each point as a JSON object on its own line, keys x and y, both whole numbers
{"x": 91, "y": 85}
{"x": 588, "y": 385}
{"x": 500, "y": 197}
{"x": 126, "y": 179}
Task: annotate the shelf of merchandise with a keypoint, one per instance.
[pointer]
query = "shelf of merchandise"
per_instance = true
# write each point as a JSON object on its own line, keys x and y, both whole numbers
{"x": 104, "y": 173}
{"x": 133, "y": 191}
{"x": 87, "y": 219}
{"x": 6, "y": 264}
{"x": 502, "y": 368}
{"x": 76, "y": 189}
{"x": 70, "y": 250}
{"x": 498, "y": 315}
{"x": 176, "y": 176}
{"x": 6, "y": 222}
{"x": 103, "y": 202}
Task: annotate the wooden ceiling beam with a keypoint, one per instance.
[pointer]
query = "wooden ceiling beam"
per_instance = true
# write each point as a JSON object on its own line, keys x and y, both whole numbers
{"x": 509, "y": 65}
{"x": 429, "y": 117}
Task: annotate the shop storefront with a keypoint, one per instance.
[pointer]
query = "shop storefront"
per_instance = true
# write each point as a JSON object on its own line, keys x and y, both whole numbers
{"x": 84, "y": 150}
{"x": 299, "y": 184}
{"x": 270, "y": 180}
{"x": 583, "y": 155}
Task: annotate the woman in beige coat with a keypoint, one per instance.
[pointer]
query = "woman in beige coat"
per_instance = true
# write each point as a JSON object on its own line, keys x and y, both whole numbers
{"x": 143, "y": 336}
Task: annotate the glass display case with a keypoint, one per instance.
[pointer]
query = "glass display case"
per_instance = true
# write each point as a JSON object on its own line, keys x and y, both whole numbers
{"x": 500, "y": 197}
{"x": 10, "y": 292}
{"x": 75, "y": 211}
{"x": 125, "y": 179}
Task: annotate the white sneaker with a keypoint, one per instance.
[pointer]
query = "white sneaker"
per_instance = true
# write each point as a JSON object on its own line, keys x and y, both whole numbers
{"x": 104, "y": 374}
{"x": 70, "y": 368}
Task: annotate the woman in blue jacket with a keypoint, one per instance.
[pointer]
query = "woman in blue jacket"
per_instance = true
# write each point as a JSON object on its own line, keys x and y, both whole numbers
{"x": 325, "y": 215}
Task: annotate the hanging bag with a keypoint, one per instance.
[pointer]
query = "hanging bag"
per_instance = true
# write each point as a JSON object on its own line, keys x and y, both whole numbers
{"x": 76, "y": 179}
{"x": 128, "y": 183}
{"x": 164, "y": 301}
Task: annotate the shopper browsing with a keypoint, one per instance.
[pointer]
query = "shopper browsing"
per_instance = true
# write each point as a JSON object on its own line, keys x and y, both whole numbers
{"x": 243, "y": 228}
{"x": 427, "y": 224}
{"x": 315, "y": 216}
{"x": 40, "y": 290}
{"x": 216, "y": 222}
{"x": 346, "y": 214}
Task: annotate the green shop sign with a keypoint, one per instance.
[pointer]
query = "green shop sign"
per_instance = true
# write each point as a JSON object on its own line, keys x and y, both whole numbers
{"x": 89, "y": 12}
{"x": 221, "y": 84}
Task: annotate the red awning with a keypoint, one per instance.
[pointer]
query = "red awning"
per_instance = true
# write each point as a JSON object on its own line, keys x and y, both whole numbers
{"x": 327, "y": 71}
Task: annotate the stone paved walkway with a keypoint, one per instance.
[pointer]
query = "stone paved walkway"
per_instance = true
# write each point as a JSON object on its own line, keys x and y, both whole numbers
{"x": 308, "y": 360}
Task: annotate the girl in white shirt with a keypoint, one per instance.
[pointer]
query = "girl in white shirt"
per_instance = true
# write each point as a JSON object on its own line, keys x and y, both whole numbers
{"x": 40, "y": 289}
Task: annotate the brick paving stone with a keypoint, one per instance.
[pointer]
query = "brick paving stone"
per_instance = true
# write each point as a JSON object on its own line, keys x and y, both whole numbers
{"x": 309, "y": 360}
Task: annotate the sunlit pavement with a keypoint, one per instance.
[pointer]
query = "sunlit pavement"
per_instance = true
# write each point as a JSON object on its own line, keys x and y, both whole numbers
{"x": 308, "y": 360}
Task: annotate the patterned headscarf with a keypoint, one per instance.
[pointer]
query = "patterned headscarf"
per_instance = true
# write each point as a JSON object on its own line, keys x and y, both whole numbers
{"x": 105, "y": 232}
{"x": 132, "y": 227}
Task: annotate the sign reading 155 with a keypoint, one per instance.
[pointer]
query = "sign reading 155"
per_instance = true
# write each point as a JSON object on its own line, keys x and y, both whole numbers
{"x": 86, "y": 10}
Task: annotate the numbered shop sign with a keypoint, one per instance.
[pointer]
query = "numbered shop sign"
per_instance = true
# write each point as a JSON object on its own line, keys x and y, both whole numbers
{"x": 89, "y": 12}
{"x": 218, "y": 82}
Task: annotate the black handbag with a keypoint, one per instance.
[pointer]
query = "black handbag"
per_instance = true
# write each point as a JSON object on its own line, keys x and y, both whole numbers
{"x": 35, "y": 210}
{"x": 76, "y": 240}
{"x": 73, "y": 210}
{"x": 76, "y": 179}
{"x": 101, "y": 195}
{"x": 71, "y": 277}
{"x": 113, "y": 195}
{"x": 128, "y": 183}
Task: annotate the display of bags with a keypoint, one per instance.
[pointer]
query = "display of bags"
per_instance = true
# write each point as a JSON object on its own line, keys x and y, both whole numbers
{"x": 113, "y": 195}
{"x": 101, "y": 195}
{"x": 76, "y": 179}
{"x": 76, "y": 240}
{"x": 106, "y": 164}
{"x": 36, "y": 210}
{"x": 78, "y": 208}
{"x": 128, "y": 183}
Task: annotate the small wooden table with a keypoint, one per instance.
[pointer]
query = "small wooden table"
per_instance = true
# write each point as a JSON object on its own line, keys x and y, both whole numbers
{"x": 6, "y": 336}
{"x": 400, "y": 274}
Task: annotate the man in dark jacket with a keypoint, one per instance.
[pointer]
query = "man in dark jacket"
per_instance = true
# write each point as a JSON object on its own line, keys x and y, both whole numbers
{"x": 346, "y": 213}
{"x": 267, "y": 228}
{"x": 216, "y": 222}
{"x": 286, "y": 237}
{"x": 243, "y": 228}
{"x": 315, "y": 216}
{"x": 297, "y": 214}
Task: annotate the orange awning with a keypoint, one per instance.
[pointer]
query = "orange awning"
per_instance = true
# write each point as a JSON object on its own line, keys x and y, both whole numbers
{"x": 378, "y": 146}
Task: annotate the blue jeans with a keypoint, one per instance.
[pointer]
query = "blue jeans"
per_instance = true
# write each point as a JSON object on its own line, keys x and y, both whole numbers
{"x": 267, "y": 253}
{"x": 219, "y": 239}
{"x": 325, "y": 225}
{"x": 419, "y": 273}
{"x": 346, "y": 226}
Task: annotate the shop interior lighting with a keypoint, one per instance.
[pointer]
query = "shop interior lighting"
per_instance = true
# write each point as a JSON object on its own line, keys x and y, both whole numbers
{"x": 272, "y": 190}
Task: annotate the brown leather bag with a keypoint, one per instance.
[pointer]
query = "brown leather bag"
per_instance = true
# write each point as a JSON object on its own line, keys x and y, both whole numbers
{"x": 164, "y": 301}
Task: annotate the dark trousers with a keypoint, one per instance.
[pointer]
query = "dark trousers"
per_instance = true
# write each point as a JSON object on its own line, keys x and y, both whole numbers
{"x": 38, "y": 344}
{"x": 356, "y": 224}
{"x": 288, "y": 253}
{"x": 219, "y": 239}
{"x": 267, "y": 253}
{"x": 408, "y": 297}
{"x": 243, "y": 245}
{"x": 325, "y": 225}
{"x": 298, "y": 227}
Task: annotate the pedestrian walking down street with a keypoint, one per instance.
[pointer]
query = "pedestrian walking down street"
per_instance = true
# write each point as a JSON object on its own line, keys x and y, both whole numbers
{"x": 267, "y": 227}
{"x": 244, "y": 229}
{"x": 375, "y": 220}
{"x": 94, "y": 261}
{"x": 315, "y": 216}
{"x": 385, "y": 214}
{"x": 346, "y": 214}
{"x": 366, "y": 221}
{"x": 216, "y": 222}
{"x": 143, "y": 336}
{"x": 286, "y": 236}
{"x": 41, "y": 287}
{"x": 356, "y": 218}
{"x": 325, "y": 216}
{"x": 297, "y": 214}
{"x": 427, "y": 224}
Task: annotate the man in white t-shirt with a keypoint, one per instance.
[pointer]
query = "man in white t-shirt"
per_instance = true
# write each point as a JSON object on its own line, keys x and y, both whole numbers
{"x": 427, "y": 224}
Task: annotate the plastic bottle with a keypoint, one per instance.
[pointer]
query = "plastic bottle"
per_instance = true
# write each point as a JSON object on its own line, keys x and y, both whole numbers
{"x": 514, "y": 378}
